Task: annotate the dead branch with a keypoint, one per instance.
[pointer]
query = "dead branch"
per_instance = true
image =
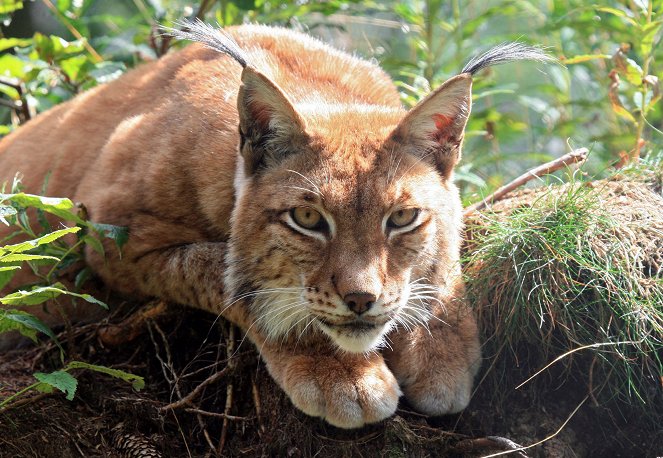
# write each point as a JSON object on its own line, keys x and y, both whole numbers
{"x": 225, "y": 417}
{"x": 191, "y": 396}
{"x": 578, "y": 155}
{"x": 485, "y": 444}
{"x": 116, "y": 334}
{"x": 256, "y": 403}
{"x": 230, "y": 349}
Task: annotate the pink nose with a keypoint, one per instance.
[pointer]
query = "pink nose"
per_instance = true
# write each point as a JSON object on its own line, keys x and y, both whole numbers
{"x": 359, "y": 302}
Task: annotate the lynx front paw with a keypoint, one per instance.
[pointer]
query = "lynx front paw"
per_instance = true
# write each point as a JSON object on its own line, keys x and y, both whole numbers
{"x": 440, "y": 394}
{"x": 347, "y": 394}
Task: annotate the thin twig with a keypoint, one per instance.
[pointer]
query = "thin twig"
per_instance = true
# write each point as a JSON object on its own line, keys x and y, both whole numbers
{"x": 24, "y": 401}
{"x": 230, "y": 349}
{"x": 590, "y": 383}
{"x": 256, "y": 403}
{"x": 559, "y": 430}
{"x": 584, "y": 347}
{"x": 491, "y": 442}
{"x": 578, "y": 155}
{"x": 191, "y": 396}
{"x": 217, "y": 415}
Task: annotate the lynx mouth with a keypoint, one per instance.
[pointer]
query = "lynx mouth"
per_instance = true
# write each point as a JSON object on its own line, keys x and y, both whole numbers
{"x": 357, "y": 326}
{"x": 356, "y": 336}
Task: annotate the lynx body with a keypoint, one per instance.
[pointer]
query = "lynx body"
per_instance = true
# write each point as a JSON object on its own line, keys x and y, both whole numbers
{"x": 279, "y": 183}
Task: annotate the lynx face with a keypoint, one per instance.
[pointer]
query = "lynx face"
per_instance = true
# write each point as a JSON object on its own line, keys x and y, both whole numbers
{"x": 341, "y": 236}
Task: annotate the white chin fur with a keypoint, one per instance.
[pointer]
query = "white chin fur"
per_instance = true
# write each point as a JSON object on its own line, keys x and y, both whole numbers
{"x": 357, "y": 342}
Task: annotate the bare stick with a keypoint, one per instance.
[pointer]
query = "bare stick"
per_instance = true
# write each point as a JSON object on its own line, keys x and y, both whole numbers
{"x": 191, "y": 396}
{"x": 256, "y": 403}
{"x": 217, "y": 415}
{"x": 543, "y": 440}
{"x": 230, "y": 349}
{"x": 578, "y": 155}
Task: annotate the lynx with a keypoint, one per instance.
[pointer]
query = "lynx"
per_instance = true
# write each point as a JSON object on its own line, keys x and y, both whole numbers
{"x": 273, "y": 180}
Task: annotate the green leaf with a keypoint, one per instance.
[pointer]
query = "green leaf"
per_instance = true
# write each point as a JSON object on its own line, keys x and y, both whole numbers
{"x": 27, "y": 324}
{"x": 9, "y": 6}
{"x": 105, "y": 72}
{"x": 9, "y": 43}
{"x": 136, "y": 381}
{"x": 619, "y": 13}
{"x": 6, "y": 274}
{"x": 61, "y": 380}
{"x": 585, "y": 58}
{"x": 35, "y": 296}
{"x": 42, "y": 294}
{"x": 650, "y": 36}
{"x": 63, "y": 5}
{"x": 53, "y": 48}
{"x": 628, "y": 68}
{"x": 57, "y": 206}
{"x": 74, "y": 67}
{"x": 95, "y": 244}
{"x": 81, "y": 277}
{"x": 20, "y": 257}
{"x": 6, "y": 211}
{"x": 119, "y": 234}
{"x": 623, "y": 113}
{"x": 31, "y": 244}
{"x": 13, "y": 66}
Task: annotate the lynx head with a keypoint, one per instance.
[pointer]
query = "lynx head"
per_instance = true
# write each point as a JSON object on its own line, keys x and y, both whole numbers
{"x": 346, "y": 220}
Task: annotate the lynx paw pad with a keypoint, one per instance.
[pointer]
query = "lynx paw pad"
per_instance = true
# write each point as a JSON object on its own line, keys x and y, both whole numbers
{"x": 344, "y": 397}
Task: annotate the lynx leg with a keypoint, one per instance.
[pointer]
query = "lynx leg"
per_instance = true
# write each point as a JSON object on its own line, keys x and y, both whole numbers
{"x": 189, "y": 274}
{"x": 435, "y": 367}
{"x": 347, "y": 390}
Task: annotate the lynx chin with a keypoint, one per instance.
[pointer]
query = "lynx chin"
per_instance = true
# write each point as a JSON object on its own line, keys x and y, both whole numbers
{"x": 268, "y": 178}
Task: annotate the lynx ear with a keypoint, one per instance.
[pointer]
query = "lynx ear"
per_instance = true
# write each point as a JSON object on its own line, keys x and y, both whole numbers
{"x": 269, "y": 125}
{"x": 434, "y": 128}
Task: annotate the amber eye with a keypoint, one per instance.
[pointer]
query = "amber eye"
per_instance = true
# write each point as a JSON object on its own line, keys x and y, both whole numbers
{"x": 402, "y": 218}
{"x": 308, "y": 218}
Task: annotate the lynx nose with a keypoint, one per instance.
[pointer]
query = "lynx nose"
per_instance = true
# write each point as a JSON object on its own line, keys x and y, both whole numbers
{"x": 359, "y": 302}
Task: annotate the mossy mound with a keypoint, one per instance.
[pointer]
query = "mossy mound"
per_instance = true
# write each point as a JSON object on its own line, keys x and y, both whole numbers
{"x": 570, "y": 278}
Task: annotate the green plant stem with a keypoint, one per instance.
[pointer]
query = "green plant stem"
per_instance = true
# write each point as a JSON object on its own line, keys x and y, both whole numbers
{"x": 643, "y": 91}
{"x": 66, "y": 253}
{"x": 458, "y": 32}
{"x": 429, "y": 22}
{"x": 5, "y": 402}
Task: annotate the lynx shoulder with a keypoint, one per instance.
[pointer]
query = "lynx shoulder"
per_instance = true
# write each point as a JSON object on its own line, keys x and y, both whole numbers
{"x": 271, "y": 179}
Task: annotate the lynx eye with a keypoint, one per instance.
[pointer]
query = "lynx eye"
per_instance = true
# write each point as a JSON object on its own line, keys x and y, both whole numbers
{"x": 403, "y": 217}
{"x": 308, "y": 218}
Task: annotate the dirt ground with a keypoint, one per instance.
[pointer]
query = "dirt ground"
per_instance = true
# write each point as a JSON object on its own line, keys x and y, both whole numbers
{"x": 243, "y": 413}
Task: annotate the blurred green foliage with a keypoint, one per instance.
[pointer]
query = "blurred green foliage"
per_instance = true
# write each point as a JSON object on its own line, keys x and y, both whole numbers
{"x": 605, "y": 94}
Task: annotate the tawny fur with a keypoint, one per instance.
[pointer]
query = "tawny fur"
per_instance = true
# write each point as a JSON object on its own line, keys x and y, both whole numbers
{"x": 157, "y": 151}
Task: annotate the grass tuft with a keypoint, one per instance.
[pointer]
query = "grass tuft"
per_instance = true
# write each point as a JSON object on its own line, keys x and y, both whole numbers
{"x": 570, "y": 279}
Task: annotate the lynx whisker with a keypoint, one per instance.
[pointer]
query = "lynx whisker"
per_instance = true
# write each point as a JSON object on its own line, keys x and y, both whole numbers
{"x": 312, "y": 320}
{"x": 419, "y": 159}
{"x": 311, "y": 182}
{"x": 304, "y": 189}
{"x": 293, "y": 328}
{"x": 391, "y": 174}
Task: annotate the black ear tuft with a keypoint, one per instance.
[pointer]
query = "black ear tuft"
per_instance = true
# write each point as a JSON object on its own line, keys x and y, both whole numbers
{"x": 506, "y": 52}
{"x": 212, "y": 37}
